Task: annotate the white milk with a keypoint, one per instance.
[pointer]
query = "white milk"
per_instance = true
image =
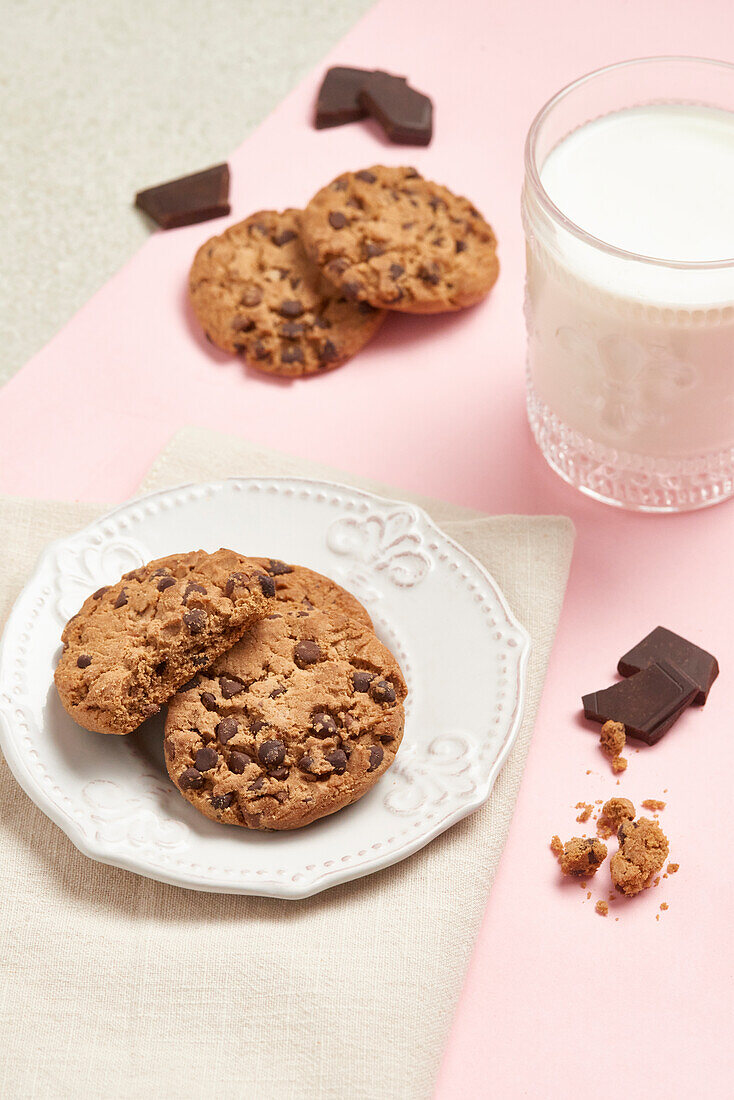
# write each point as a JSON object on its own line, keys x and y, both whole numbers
{"x": 630, "y": 356}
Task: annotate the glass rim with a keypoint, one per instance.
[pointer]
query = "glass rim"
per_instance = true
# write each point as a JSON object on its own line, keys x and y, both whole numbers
{"x": 555, "y": 212}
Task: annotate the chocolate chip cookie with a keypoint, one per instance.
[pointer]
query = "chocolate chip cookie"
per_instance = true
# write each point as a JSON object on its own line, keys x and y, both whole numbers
{"x": 254, "y": 291}
{"x": 306, "y": 590}
{"x": 134, "y": 643}
{"x": 390, "y": 238}
{"x": 299, "y": 719}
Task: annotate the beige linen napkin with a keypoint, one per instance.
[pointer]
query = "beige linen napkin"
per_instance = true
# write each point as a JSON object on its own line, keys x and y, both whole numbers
{"x": 115, "y": 986}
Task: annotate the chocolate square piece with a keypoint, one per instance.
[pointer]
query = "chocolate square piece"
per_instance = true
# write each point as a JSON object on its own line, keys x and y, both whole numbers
{"x": 698, "y": 665}
{"x": 647, "y": 704}
{"x": 405, "y": 114}
{"x": 187, "y": 200}
{"x": 338, "y": 98}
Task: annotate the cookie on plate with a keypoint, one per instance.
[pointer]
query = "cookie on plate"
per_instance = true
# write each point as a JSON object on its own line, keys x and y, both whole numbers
{"x": 134, "y": 643}
{"x": 254, "y": 291}
{"x": 299, "y": 719}
{"x": 388, "y": 237}
{"x": 306, "y": 590}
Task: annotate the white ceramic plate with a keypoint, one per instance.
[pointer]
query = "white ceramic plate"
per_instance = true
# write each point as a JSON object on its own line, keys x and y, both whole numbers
{"x": 462, "y": 653}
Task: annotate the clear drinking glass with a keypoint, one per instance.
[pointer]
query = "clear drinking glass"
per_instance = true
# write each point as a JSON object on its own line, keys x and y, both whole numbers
{"x": 630, "y": 369}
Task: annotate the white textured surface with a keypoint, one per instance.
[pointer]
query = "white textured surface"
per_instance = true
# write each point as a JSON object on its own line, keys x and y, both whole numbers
{"x": 99, "y": 99}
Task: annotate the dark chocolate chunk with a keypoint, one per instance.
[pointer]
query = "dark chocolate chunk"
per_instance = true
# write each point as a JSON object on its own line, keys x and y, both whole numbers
{"x": 234, "y": 580}
{"x": 206, "y": 759}
{"x": 307, "y": 653}
{"x": 278, "y": 568}
{"x": 226, "y": 730}
{"x": 251, "y": 296}
{"x": 191, "y": 780}
{"x": 365, "y": 176}
{"x": 267, "y": 585}
{"x": 122, "y": 598}
{"x": 328, "y": 352}
{"x": 166, "y": 582}
{"x": 223, "y": 801}
{"x": 291, "y": 330}
{"x": 337, "y": 220}
{"x": 376, "y": 755}
{"x": 661, "y": 643}
{"x": 382, "y": 691}
{"x": 338, "y": 98}
{"x": 83, "y": 660}
{"x": 396, "y": 270}
{"x": 291, "y": 307}
{"x": 647, "y": 704}
{"x": 229, "y": 686}
{"x": 195, "y": 620}
{"x": 338, "y": 761}
{"x": 323, "y": 725}
{"x": 405, "y": 114}
{"x": 291, "y": 353}
{"x": 238, "y": 762}
{"x": 284, "y": 237}
{"x": 362, "y": 680}
{"x": 187, "y": 200}
{"x": 271, "y": 753}
{"x": 193, "y": 588}
{"x": 208, "y": 701}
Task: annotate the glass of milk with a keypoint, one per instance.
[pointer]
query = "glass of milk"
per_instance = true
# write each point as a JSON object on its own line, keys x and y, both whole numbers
{"x": 628, "y": 209}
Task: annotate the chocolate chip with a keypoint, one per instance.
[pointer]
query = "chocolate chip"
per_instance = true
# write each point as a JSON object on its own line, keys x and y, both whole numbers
{"x": 206, "y": 759}
{"x": 305, "y": 763}
{"x": 83, "y": 661}
{"x": 323, "y": 725}
{"x": 353, "y": 289}
{"x": 256, "y": 725}
{"x": 235, "y": 580}
{"x": 282, "y": 238}
{"x": 267, "y": 584}
{"x": 371, "y": 250}
{"x": 365, "y": 307}
{"x": 190, "y": 684}
{"x": 339, "y": 185}
{"x": 192, "y": 587}
{"x": 279, "y": 773}
{"x": 307, "y": 653}
{"x": 195, "y": 620}
{"x": 208, "y": 701}
{"x": 134, "y": 574}
{"x": 166, "y": 582}
{"x": 260, "y": 351}
{"x": 430, "y": 273}
{"x": 278, "y": 568}
{"x": 169, "y": 748}
{"x": 337, "y": 220}
{"x": 328, "y": 352}
{"x": 291, "y": 354}
{"x": 382, "y": 691}
{"x": 201, "y": 661}
{"x": 365, "y": 176}
{"x": 291, "y": 308}
{"x": 122, "y": 598}
{"x": 396, "y": 270}
{"x": 338, "y": 267}
{"x": 252, "y": 296}
{"x": 229, "y": 686}
{"x": 280, "y": 690}
{"x": 256, "y": 783}
{"x": 226, "y": 730}
{"x": 191, "y": 780}
{"x": 100, "y": 592}
{"x": 436, "y": 203}
{"x": 238, "y": 762}
{"x": 271, "y": 753}
{"x": 291, "y": 330}
{"x": 223, "y": 801}
{"x": 376, "y": 755}
{"x": 338, "y": 761}
{"x": 362, "y": 680}
{"x": 460, "y": 246}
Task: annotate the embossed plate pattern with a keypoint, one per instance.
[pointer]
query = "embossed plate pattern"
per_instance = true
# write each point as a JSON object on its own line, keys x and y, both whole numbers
{"x": 462, "y": 652}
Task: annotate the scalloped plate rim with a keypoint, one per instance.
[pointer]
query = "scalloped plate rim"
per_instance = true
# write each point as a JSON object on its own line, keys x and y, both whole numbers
{"x": 99, "y": 852}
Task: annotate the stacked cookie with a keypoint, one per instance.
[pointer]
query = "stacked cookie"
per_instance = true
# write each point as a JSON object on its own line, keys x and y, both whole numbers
{"x": 300, "y": 292}
{"x": 283, "y": 706}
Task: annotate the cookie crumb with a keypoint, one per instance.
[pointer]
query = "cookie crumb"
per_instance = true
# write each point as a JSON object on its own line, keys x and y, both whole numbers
{"x": 586, "y": 809}
{"x": 672, "y": 868}
{"x": 653, "y": 804}
{"x": 602, "y": 908}
{"x": 614, "y": 812}
{"x": 643, "y": 849}
{"x": 619, "y": 764}
{"x": 579, "y": 855}
{"x": 663, "y": 905}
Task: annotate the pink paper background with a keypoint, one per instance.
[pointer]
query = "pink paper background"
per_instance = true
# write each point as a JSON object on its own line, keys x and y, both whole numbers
{"x": 558, "y": 1001}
